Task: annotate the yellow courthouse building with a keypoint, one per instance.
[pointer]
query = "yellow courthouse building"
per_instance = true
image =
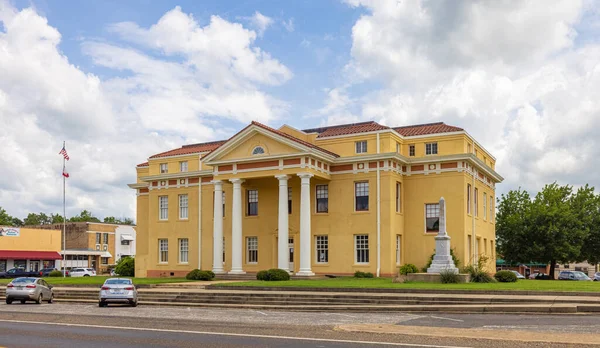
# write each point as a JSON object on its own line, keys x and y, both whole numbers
{"x": 329, "y": 200}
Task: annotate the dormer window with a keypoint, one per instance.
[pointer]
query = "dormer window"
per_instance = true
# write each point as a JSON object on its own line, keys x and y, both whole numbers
{"x": 258, "y": 150}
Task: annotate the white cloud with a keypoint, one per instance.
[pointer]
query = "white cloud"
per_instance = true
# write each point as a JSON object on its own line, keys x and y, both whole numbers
{"x": 288, "y": 25}
{"x": 195, "y": 78}
{"x": 261, "y": 22}
{"x": 515, "y": 75}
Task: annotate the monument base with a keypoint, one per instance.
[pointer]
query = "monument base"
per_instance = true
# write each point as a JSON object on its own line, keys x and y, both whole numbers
{"x": 428, "y": 278}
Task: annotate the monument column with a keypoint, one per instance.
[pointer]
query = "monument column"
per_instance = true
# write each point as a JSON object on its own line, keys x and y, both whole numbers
{"x": 442, "y": 261}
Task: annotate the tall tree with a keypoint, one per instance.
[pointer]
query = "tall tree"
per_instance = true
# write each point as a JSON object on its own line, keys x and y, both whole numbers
{"x": 512, "y": 225}
{"x": 37, "y": 219}
{"x": 56, "y": 218}
{"x": 84, "y": 216}
{"x": 5, "y": 219}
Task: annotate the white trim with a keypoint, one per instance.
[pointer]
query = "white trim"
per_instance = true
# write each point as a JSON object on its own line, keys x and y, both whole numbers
{"x": 175, "y": 156}
{"x": 179, "y": 175}
{"x": 356, "y": 249}
{"x": 138, "y": 185}
{"x": 100, "y": 231}
{"x": 105, "y": 224}
{"x": 86, "y": 252}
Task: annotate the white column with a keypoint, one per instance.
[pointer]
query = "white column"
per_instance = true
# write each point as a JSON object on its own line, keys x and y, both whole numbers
{"x": 218, "y": 228}
{"x": 236, "y": 228}
{"x": 305, "y": 250}
{"x": 283, "y": 261}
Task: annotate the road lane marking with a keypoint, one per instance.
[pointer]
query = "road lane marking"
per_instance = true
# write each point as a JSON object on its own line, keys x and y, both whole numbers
{"x": 443, "y": 318}
{"x": 232, "y": 334}
{"x": 263, "y": 313}
{"x": 343, "y": 315}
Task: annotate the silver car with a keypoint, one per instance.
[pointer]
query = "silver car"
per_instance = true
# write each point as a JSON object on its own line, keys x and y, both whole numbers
{"x": 119, "y": 290}
{"x": 29, "y": 289}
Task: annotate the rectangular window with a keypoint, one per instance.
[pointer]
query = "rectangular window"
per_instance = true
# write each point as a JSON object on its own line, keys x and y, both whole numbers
{"x": 468, "y": 198}
{"x": 476, "y": 201}
{"x": 104, "y": 260}
{"x": 289, "y": 200}
{"x": 252, "y": 203}
{"x": 492, "y": 248}
{"x": 163, "y": 207}
{"x": 251, "y": 249}
{"x": 431, "y": 149}
{"x": 361, "y": 247}
{"x": 164, "y": 169}
{"x": 105, "y": 235}
{"x": 183, "y": 250}
{"x": 361, "y": 193}
{"x": 432, "y": 217}
{"x": 163, "y": 250}
{"x": 485, "y": 246}
{"x": 484, "y": 205}
{"x": 411, "y": 150}
{"x": 183, "y": 206}
{"x": 398, "y": 249}
{"x": 183, "y": 166}
{"x": 361, "y": 146}
{"x": 491, "y": 208}
{"x": 98, "y": 238}
{"x": 322, "y": 198}
{"x": 322, "y": 244}
{"x": 398, "y": 197}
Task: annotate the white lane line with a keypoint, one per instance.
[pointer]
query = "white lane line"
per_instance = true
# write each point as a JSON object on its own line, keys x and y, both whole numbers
{"x": 343, "y": 315}
{"x": 451, "y": 319}
{"x": 311, "y": 339}
{"x": 263, "y": 313}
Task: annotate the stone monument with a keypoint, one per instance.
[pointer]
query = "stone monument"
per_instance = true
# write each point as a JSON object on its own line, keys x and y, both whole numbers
{"x": 442, "y": 261}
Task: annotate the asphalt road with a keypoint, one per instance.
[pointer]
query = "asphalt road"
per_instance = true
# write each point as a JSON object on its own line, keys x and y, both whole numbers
{"x": 64, "y": 325}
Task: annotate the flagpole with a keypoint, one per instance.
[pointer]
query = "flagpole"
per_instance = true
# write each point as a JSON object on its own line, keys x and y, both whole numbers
{"x": 64, "y": 216}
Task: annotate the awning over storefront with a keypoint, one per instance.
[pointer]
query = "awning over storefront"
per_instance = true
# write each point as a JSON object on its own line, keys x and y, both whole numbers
{"x": 88, "y": 252}
{"x": 126, "y": 237}
{"x": 29, "y": 255}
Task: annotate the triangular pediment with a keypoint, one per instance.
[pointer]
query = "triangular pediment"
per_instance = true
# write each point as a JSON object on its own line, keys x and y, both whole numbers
{"x": 255, "y": 142}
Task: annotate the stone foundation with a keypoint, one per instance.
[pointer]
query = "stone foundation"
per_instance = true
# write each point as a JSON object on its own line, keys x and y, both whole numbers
{"x": 428, "y": 278}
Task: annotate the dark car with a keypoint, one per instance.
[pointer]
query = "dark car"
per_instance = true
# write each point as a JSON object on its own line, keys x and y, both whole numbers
{"x": 542, "y": 276}
{"x": 573, "y": 275}
{"x": 17, "y": 272}
{"x": 44, "y": 272}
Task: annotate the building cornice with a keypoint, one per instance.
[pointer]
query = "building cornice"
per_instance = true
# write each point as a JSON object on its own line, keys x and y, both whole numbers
{"x": 258, "y": 158}
{"x": 179, "y": 175}
{"x": 138, "y": 185}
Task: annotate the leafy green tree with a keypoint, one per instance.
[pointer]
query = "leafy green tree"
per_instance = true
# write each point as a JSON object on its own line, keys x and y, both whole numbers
{"x": 111, "y": 220}
{"x": 37, "y": 219}
{"x": 127, "y": 221}
{"x": 57, "y": 218}
{"x": 5, "y": 219}
{"x": 126, "y": 267}
{"x": 16, "y": 222}
{"x": 84, "y": 216}
{"x": 512, "y": 225}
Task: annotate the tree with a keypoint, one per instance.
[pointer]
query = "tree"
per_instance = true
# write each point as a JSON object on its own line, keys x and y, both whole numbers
{"x": 84, "y": 216}
{"x": 127, "y": 221}
{"x": 114, "y": 220}
{"x": 37, "y": 219}
{"x": 126, "y": 267}
{"x": 57, "y": 218}
{"x": 16, "y": 222}
{"x": 5, "y": 219}
{"x": 551, "y": 228}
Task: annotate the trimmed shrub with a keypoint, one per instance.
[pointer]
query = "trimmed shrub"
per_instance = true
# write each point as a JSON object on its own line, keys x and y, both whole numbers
{"x": 505, "y": 277}
{"x": 448, "y": 277}
{"x": 360, "y": 274}
{"x": 262, "y": 275}
{"x": 126, "y": 267}
{"x": 55, "y": 273}
{"x": 408, "y": 268}
{"x": 276, "y": 274}
{"x": 200, "y": 275}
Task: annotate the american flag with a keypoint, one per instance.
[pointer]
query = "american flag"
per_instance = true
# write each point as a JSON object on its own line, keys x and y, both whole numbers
{"x": 64, "y": 153}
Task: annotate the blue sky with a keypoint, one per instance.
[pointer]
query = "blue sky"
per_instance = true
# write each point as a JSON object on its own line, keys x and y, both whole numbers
{"x": 122, "y": 80}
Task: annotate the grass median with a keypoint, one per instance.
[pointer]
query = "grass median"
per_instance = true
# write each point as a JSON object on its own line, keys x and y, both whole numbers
{"x": 386, "y": 283}
{"x": 99, "y": 280}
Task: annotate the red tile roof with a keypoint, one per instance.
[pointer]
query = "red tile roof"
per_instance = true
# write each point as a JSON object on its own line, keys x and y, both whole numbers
{"x": 192, "y": 148}
{"x": 344, "y": 129}
{"x": 145, "y": 164}
{"x": 427, "y": 128}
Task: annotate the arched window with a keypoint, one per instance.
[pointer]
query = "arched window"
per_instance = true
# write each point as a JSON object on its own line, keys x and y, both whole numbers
{"x": 258, "y": 150}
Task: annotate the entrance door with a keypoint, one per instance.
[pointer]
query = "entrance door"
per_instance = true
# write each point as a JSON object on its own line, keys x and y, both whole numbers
{"x": 291, "y": 253}
{"x": 34, "y": 266}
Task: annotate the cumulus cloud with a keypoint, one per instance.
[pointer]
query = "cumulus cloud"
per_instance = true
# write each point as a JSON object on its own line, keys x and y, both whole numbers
{"x": 520, "y": 77}
{"x": 175, "y": 82}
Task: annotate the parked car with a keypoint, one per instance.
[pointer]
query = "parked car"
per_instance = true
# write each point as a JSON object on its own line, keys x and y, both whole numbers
{"x": 597, "y": 276}
{"x": 519, "y": 275}
{"x": 29, "y": 289}
{"x": 120, "y": 290}
{"x": 17, "y": 272}
{"x": 533, "y": 275}
{"x": 113, "y": 273}
{"x": 542, "y": 276}
{"x": 573, "y": 275}
{"x": 44, "y": 272}
{"x": 83, "y": 272}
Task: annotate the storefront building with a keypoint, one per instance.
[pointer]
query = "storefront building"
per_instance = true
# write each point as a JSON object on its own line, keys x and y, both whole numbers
{"x": 29, "y": 248}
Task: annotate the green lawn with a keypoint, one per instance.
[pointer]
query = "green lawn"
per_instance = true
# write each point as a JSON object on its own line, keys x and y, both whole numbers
{"x": 386, "y": 283}
{"x": 100, "y": 280}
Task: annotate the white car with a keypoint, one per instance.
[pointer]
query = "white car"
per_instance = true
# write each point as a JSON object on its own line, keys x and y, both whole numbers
{"x": 83, "y": 272}
{"x": 519, "y": 275}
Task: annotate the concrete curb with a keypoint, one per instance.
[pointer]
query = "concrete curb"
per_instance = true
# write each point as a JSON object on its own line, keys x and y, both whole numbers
{"x": 409, "y": 291}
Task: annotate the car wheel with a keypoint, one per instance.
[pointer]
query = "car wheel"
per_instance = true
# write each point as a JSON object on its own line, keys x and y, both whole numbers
{"x": 8, "y": 301}
{"x": 86, "y": 275}
{"x": 51, "y": 298}
{"x": 22, "y": 301}
{"x": 39, "y": 299}
{"x": 134, "y": 304}
{"x": 101, "y": 304}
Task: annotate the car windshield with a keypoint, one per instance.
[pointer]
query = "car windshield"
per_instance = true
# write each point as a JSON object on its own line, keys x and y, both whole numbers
{"x": 118, "y": 281}
{"x": 23, "y": 280}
